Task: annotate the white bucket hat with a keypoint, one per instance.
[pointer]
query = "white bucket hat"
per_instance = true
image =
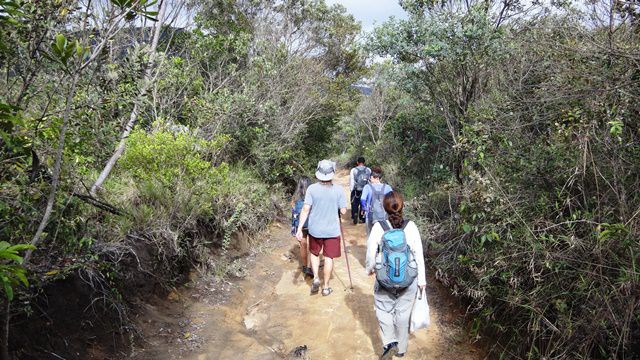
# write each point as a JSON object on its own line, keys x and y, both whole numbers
{"x": 326, "y": 169}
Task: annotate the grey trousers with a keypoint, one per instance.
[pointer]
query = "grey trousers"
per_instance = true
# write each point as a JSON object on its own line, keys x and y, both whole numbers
{"x": 393, "y": 313}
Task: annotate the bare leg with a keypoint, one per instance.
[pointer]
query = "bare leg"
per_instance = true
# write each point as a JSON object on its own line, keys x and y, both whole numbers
{"x": 315, "y": 266}
{"x": 304, "y": 252}
{"x": 328, "y": 268}
{"x": 308, "y": 252}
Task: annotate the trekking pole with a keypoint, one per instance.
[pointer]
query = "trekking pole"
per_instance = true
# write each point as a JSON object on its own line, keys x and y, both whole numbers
{"x": 346, "y": 255}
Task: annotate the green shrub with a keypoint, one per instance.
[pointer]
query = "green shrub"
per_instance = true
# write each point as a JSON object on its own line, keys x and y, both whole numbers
{"x": 171, "y": 156}
{"x": 178, "y": 198}
{"x": 11, "y": 271}
{"x": 524, "y": 183}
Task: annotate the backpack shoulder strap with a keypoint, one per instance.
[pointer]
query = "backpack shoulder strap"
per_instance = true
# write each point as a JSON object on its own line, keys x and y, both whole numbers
{"x": 405, "y": 222}
{"x": 385, "y": 225}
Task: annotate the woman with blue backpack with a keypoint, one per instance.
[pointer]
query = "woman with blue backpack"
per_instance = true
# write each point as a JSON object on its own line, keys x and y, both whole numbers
{"x": 372, "y": 196}
{"x": 296, "y": 209}
{"x": 394, "y": 256}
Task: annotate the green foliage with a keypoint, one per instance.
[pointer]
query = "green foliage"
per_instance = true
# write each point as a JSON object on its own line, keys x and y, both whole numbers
{"x": 137, "y": 7}
{"x": 521, "y": 170}
{"x": 185, "y": 200}
{"x": 9, "y": 15}
{"x": 64, "y": 50}
{"x": 463, "y": 37}
{"x": 170, "y": 156}
{"x": 233, "y": 108}
{"x": 12, "y": 129}
{"x": 11, "y": 273}
{"x": 276, "y": 104}
{"x": 21, "y": 186}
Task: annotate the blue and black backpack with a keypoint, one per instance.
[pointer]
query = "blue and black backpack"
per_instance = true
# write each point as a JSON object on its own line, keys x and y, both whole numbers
{"x": 295, "y": 217}
{"x": 396, "y": 266}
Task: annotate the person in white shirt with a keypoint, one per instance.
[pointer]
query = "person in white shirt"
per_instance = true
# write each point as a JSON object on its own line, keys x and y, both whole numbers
{"x": 393, "y": 308}
{"x": 358, "y": 178}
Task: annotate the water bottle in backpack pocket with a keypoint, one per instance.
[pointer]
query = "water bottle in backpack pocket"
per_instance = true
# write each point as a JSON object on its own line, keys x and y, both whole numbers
{"x": 396, "y": 267}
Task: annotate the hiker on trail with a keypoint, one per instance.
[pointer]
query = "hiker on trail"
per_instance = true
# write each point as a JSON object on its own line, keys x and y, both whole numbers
{"x": 394, "y": 255}
{"x": 296, "y": 209}
{"x": 372, "y": 196}
{"x": 323, "y": 204}
{"x": 358, "y": 179}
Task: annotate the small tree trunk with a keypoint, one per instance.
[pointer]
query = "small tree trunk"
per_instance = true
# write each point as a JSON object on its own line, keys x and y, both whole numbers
{"x": 133, "y": 117}
{"x": 55, "y": 181}
{"x": 4, "y": 355}
{"x": 112, "y": 30}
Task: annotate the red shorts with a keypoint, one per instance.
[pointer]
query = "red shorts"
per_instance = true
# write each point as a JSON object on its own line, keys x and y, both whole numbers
{"x": 330, "y": 246}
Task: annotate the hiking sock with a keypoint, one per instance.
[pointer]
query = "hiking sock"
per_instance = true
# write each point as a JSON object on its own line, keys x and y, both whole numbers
{"x": 307, "y": 271}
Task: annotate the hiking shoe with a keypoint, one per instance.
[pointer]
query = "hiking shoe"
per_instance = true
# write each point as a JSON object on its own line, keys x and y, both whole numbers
{"x": 306, "y": 271}
{"x": 389, "y": 351}
{"x": 355, "y": 221}
{"x": 399, "y": 355}
{"x": 315, "y": 287}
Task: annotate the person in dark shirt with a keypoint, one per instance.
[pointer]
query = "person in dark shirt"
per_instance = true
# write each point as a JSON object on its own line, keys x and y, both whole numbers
{"x": 358, "y": 179}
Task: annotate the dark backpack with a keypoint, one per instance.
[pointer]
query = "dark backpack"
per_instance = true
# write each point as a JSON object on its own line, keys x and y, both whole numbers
{"x": 295, "y": 217}
{"x": 376, "y": 210}
{"x": 396, "y": 266}
{"x": 361, "y": 178}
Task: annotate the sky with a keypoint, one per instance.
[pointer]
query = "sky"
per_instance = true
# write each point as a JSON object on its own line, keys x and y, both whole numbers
{"x": 371, "y": 12}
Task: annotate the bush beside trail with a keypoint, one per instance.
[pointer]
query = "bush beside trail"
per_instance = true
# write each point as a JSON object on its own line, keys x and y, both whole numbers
{"x": 182, "y": 215}
{"x": 515, "y": 139}
{"x": 139, "y": 139}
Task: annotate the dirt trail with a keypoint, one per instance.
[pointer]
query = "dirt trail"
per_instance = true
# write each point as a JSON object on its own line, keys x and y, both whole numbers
{"x": 270, "y": 312}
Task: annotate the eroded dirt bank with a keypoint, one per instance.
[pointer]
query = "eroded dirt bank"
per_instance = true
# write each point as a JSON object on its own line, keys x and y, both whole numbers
{"x": 269, "y": 313}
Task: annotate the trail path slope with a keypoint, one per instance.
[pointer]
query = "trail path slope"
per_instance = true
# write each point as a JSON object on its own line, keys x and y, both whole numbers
{"x": 272, "y": 313}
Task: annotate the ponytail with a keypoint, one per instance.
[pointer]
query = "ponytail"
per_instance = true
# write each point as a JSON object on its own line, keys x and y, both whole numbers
{"x": 394, "y": 204}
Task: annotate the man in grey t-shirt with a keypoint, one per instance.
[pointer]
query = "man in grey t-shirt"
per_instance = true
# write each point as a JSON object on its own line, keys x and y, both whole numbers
{"x": 322, "y": 204}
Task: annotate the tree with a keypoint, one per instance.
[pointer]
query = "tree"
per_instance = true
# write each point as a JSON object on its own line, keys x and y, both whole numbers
{"x": 73, "y": 58}
{"x": 149, "y": 76}
{"x": 378, "y": 108}
{"x": 447, "y": 57}
{"x": 538, "y": 111}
